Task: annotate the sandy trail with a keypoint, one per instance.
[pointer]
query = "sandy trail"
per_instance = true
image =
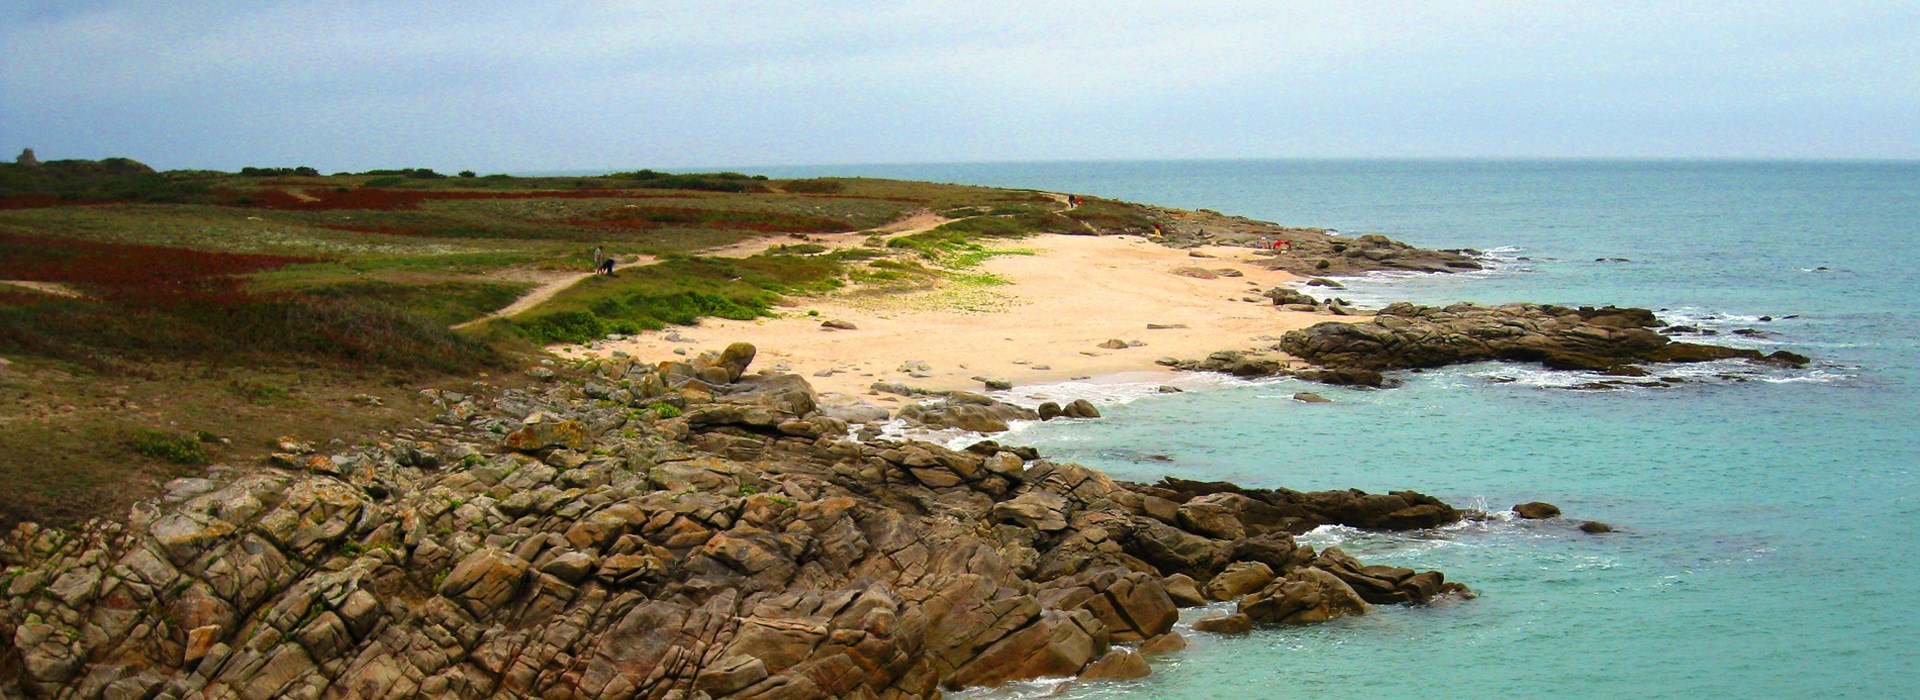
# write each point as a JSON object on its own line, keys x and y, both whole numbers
{"x": 54, "y": 288}
{"x": 550, "y": 285}
{"x": 1046, "y": 325}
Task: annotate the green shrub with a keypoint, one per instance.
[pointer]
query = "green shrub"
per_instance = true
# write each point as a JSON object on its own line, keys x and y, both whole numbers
{"x": 171, "y": 447}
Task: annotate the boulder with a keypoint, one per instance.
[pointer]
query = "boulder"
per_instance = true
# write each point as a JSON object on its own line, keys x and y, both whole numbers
{"x": 1224, "y": 623}
{"x": 484, "y": 581}
{"x": 546, "y": 434}
{"x": 1169, "y": 643}
{"x": 1282, "y": 296}
{"x": 1181, "y": 588}
{"x": 1310, "y": 397}
{"x": 1537, "y": 511}
{"x": 1238, "y": 579}
{"x": 1595, "y": 527}
{"x": 1305, "y": 596}
{"x": 1041, "y": 510}
{"x": 735, "y": 360}
{"x": 1080, "y": 408}
{"x": 1056, "y": 644}
{"x": 1117, "y": 665}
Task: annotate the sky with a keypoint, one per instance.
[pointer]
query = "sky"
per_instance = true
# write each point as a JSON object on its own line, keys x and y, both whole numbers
{"x": 529, "y": 87}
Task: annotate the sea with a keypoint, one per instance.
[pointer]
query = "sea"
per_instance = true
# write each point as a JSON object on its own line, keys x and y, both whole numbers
{"x": 1767, "y": 521}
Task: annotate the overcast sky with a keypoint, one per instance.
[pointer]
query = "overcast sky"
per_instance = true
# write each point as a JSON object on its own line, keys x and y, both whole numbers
{"x": 582, "y": 85}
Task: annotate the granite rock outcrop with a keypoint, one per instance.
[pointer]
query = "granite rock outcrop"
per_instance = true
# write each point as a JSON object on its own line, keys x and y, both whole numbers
{"x": 577, "y": 539}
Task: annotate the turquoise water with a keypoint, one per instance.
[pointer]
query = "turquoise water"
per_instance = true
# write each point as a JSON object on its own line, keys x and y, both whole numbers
{"x": 1769, "y": 521}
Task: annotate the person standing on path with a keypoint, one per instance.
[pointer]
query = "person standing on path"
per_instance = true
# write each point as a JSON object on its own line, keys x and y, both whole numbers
{"x": 599, "y": 257}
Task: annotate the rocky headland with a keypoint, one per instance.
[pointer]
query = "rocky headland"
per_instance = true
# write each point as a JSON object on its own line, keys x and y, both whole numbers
{"x": 679, "y": 530}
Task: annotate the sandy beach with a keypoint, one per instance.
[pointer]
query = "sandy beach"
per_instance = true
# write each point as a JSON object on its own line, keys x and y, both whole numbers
{"x": 1046, "y": 324}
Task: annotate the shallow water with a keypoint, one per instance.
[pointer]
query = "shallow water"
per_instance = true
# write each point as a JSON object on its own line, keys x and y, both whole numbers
{"x": 1767, "y": 518}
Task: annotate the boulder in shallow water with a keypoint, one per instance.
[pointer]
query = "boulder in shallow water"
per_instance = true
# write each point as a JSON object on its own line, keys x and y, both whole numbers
{"x": 1080, "y": 408}
{"x": 1595, "y": 527}
{"x": 1537, "y": 511}
{"x": 1224, "y": 623}
{"x": 1310, "y": 397}
{"x": 1117, "y": 665}
{"x": 1306, "y": 596}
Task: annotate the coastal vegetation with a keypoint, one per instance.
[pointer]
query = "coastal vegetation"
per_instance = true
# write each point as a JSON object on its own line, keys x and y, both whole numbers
{"x": 156, "y": 293}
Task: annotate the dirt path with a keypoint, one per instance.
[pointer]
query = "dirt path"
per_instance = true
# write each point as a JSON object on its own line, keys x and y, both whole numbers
{"x": 54, "y": 288}
{"x": 918, "y": 222}
{"x": 548, "y": 288}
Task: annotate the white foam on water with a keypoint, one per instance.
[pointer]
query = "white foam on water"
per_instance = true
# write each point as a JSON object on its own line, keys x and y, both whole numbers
{"x": 1372, "y": 290}
{"x": 1115, "y": 389}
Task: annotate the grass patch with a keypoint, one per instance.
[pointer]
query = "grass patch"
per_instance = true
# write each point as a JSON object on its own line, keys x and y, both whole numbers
{"x": 678, "y": 291}
{"x": 1107, "y": 216}
{"x": 171, "y": 447}
{"x": 444, "y": 303}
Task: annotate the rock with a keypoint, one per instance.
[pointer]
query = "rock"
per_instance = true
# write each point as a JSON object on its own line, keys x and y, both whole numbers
{"x": 26, "y": 158}
{"x": 1239, "y": 578}
{"x": 485, "y": 580}
{"x": 1324, "y": 282}
{"x": 1080, "y": 408}
{"x": 966, "y": 411}
{"x": 838, "y": 325}
{"x": 745, "y": 548}
{"x": 1305, "y": 596}
{"x": 1050, "y": 410}
{"x": 1195, "y": 272}
{"x": 1114, "y": 344}
{"x": 1181, "y": 589}
{"x": 735, "y": 359}
{"x": 1783, "y": 358}
{"x": 1345, "y": 376}
{"x": 1282, "y": 296}
{"x": 1169, "y": 643}
{"x": 1224, "y": 623}
{"x": 1056, "y": 644}
{"x": 1310, "y": 397}
{"x": 1165, "y": 326}
{"x": 545, "y": 434}
{"x": 1117, "y": 665}
{"x": 1045, "y": 511}
{"x": 1406, "y": 336}
{"x": 1595, "y": 527}
{"x": 994, "y": 384}
{"x": 1536, "y": 511}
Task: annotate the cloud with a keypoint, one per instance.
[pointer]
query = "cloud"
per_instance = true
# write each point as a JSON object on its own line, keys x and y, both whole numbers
{"x": 665, "y": 84}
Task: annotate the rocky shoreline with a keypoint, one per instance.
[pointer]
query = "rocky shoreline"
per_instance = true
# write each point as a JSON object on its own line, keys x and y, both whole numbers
{"x": 681, "y": 530}
{"x": 1615, "y": 341}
